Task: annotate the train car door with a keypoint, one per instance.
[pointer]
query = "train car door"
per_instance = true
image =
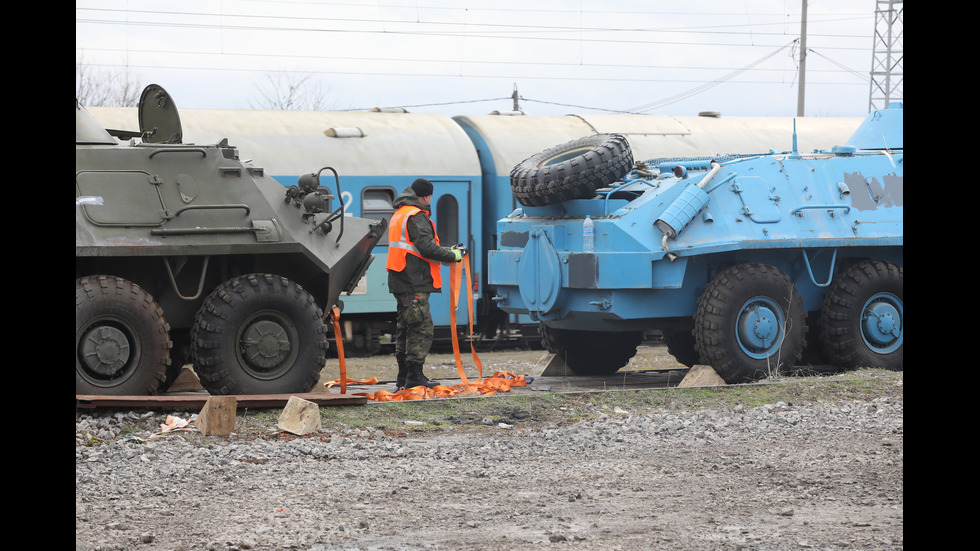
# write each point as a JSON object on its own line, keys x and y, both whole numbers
{"x": 452, "y": 208}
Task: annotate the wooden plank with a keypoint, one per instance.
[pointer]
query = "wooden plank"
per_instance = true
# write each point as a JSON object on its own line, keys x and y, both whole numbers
{"x": 197, "y": 400}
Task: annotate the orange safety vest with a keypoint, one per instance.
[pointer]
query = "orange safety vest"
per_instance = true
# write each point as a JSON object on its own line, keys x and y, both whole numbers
{"x": 400, "y": 245}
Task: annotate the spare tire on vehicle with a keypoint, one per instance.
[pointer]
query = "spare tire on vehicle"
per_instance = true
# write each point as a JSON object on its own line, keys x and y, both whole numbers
{"x": 572, "y": 170}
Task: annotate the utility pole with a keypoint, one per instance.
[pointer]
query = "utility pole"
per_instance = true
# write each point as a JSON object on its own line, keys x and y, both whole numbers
{"x": 887, "y": 59}
{"x": 801, "y": 90}
{"x": 514, "y": 96}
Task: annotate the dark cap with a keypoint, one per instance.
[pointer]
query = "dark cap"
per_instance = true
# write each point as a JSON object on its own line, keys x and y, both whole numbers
{"x": 422, "y": 187}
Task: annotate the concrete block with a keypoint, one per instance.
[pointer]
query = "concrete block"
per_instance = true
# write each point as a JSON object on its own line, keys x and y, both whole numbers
{"x": 702, "y": 375}
{"x": 299, "y": 416}
{"x": 218, "y": 416}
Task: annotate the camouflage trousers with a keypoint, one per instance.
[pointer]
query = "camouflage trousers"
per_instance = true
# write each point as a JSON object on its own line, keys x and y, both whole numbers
{"x": 414, "y": 330}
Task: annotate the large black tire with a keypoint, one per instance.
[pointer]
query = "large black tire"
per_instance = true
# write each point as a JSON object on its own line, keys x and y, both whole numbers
{"x": 813, "y": 361}
{"x": 122, "y": 341}
{"x": 180, "y": 355}
{"x": 591, "y": 352}
{"x": 862, "y": 321}
{"x": 572, "y": 170}
{"x": 680, "y": 344}
{"x": 259, "y": 334}
{"x": 750, "y": 323}
{"x": 813, "y": 353}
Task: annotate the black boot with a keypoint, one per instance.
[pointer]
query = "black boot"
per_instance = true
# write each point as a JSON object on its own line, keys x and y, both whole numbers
{"x": 416, "y": 377}
{"x": 402, "y": 371}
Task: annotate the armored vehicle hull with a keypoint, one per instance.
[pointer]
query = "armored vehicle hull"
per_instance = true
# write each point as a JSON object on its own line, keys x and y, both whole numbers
{"x": 185, "y": 253}
{"x": 752, "y": 264}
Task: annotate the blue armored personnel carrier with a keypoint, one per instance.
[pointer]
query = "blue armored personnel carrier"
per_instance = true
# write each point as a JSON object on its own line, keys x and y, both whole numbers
{"x": 752, "y": 264}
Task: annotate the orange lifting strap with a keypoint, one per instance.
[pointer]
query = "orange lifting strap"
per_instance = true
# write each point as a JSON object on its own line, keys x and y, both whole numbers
{"x": 501, "y": 381}
{"x": 455, "y": 279}
{"x": 335, "y": 316}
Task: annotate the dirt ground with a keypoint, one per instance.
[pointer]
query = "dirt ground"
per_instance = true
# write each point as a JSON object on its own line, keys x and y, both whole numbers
{"x": 825, "y": 476}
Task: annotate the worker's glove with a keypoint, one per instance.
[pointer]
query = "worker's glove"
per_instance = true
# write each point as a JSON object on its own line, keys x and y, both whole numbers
{"x": 459, "y": 250}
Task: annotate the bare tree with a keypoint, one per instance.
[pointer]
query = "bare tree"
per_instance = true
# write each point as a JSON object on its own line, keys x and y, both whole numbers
{"x": 97, "y": 87}
{"x": 288, "y": 91}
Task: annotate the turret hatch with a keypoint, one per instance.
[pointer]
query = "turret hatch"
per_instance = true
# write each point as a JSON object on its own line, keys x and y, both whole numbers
{"x": 159, "y": 121}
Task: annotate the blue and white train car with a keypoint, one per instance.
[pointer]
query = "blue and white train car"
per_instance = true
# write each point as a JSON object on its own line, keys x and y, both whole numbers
{"x": 469, "y": 158}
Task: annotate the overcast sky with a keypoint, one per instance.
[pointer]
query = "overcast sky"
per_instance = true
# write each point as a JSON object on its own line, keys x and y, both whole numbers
{"x": 449, "y": 56}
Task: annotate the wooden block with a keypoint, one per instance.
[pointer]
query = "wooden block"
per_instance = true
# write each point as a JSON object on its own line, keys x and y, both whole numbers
{"x": 218, "y": 416}
{"x": 551, "y": 365}
{"x": 702, "y": 375}
{"x": 299, "y": 416}
{"x": 186, "y": 381}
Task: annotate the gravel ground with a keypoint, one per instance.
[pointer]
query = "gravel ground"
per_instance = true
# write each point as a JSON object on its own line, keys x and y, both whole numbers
{"x": 825, "y": 476}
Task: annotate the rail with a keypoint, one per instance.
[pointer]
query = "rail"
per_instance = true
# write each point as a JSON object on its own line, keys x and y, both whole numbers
{"x": 798, "y": 210}
{"x": 180, "y": 150}
{"x": 247, "y": 209}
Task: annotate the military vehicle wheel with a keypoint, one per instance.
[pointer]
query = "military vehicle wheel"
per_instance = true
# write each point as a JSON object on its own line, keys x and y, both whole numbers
{"x": 750, "y": 323}
{"x": 862, "y": 317}
{"x": 814, "y": 360}
{"x": 591, "y": 352}
{"x": 122, "y": 341}
{"x": 680, "y": 345}
{"x": 180, "y": 355}
{"x": 259, "y": 334}
{"x": 573, "y": 170}
{"x": 813, "y": 349}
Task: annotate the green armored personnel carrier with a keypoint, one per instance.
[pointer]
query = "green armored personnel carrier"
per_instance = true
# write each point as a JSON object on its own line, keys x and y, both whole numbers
{"x": 185, "y": 253}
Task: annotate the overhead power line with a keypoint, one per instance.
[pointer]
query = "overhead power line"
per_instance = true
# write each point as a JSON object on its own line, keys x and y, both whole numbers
{"x": 576, "y": 106}
{"x": 250, "y": 58}
{"x": 439, "y": 24}
{"x": 859, "y": 74}
{"x": 431, "y": 104}
{"x": 609, "y": 37}
{"x": 470, "y": 25}
{"x": 707, "y": 85}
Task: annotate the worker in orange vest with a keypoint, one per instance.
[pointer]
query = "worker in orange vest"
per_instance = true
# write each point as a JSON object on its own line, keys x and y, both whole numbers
{"x": 414, "y": 254}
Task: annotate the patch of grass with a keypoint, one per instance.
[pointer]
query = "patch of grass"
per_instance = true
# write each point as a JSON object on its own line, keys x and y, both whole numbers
{"x": 536, "y": 410}
{"x": 131, "y": 430}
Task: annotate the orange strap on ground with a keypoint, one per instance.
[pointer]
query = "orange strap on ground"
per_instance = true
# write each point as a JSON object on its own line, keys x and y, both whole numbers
{"x": 335, "y": 315}
{"x": 335, "y": 382}
{"x": 502, "y": 381}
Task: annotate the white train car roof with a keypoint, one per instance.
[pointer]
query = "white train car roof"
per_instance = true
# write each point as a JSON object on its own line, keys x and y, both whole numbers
{"x": 353, "y": 143}
{"x": 513, "y": 138}
{"x": 384, "y": 143}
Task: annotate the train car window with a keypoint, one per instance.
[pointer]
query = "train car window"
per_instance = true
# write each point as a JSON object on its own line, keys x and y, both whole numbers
{"x": 378, "y": 203}
{"x": 447, "y": 220}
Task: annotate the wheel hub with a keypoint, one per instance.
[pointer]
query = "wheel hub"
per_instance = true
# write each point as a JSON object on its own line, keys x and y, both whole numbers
{"x": 881, "y": 323}
{"x": 758, "y": 328}
{"x": 105, "y": 350}
{"x": 265, "y": 344}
